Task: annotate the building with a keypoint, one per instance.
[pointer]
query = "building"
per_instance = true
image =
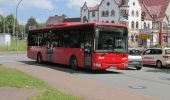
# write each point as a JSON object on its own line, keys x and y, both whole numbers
{"x": 5, "y": 39}
{"x": 61, "y": 19}
{"x": 55, "y": 20}
{"x": 136, "y": 14}
{"x": 159, "y": 12}
{"x": 70, "y": 20}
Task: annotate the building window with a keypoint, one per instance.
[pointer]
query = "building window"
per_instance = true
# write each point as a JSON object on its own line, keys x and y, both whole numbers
{"x": 136, "y": 38}
{"x": 148, "y": 25}
{"x": 132, "y": 38}
{"x": 132, "y": 24}
{"x": 112, "y": 13}
{"x": 103, "y": 14}
{"x": 133, "y": 3}
{"x": 132, "y": 12}
{"x": 93, "y": 14}
{"x": 85, "y": 19}
{"x": 113, "y": 21}
{"x": 137, "y": 25}
{"x": 144, "y": 25}
{"x": 137, "y": 13}
{"x": 107, "y": 13}
{"x": 108, "y": 3}
{"x": 84, "y": 10}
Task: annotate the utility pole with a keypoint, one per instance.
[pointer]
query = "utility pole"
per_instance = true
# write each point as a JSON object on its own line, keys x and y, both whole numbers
{"x": 17, "y": 24}
{"x": 4, "y": 25}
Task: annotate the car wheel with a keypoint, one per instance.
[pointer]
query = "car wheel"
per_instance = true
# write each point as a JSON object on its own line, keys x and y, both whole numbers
{"x": 138, "y": 68}
{"x": 159, "y": 64}
{"x": 73, "y": 63}
{"x": 39, "y": 58}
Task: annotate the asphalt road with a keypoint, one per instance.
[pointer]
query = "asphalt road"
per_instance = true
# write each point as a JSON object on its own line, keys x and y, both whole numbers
{"x": 149, "y": 81}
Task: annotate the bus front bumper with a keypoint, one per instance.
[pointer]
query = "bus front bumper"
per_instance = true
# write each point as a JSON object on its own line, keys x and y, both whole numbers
{"x": 99, "y": 66}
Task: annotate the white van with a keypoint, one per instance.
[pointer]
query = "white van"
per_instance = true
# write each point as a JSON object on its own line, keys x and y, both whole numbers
{"x": 157, "y": 56}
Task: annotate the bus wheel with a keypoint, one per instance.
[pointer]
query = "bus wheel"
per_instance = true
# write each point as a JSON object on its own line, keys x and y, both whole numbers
{"x": 73, "y": 63}
{"x": 159, "y": 64}
{"x": 39, "y": 58}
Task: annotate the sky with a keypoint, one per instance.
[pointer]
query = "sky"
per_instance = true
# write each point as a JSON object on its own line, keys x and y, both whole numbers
{"x": 42, "y": 9}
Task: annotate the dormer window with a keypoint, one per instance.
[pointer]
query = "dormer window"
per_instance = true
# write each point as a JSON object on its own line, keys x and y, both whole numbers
{"x": 84, "y": 10}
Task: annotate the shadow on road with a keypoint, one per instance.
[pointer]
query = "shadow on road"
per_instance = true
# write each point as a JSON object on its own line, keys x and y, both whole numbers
{"x": 157, "y": 70}
{"x": 65, "y": 68}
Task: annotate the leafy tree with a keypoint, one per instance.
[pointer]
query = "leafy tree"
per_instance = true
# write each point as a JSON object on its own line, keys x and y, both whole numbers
{"x": 1, "y": 23}
{"x": 40, "y": 25}
{"x": 9, "y": 21}
{"x": 31, "y": 23}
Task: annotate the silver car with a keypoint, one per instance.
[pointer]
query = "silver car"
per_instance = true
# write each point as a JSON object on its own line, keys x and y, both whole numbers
{"x": 135, "y": 59}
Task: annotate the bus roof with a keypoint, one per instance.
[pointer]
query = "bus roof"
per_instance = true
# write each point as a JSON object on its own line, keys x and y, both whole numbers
{"x": 76, "y": 24}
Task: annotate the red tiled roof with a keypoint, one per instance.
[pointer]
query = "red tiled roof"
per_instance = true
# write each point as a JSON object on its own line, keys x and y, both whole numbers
{"x": 156, "y": 7}
{"x": 55, "y": 20}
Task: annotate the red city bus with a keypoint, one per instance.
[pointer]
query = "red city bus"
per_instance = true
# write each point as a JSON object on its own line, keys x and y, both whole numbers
{"x": 87, "y": 45}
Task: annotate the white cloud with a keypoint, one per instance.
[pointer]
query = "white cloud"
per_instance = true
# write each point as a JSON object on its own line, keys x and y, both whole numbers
{"x": 41, "y": 4}
{"x": 79, "y": 3}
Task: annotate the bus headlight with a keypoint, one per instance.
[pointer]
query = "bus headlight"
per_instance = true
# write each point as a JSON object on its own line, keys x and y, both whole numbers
{"x": 101, "y": 57}
{"x": 97, "y": 64}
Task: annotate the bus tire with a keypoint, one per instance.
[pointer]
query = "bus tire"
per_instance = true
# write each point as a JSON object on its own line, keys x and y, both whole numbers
{"x": 73, "y": 63}
{"x": 39, "y": 58}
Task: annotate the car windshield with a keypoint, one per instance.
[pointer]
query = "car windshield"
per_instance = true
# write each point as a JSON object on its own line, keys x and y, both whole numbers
{"x": 134, "y": 52}
{"x": 111, "y": 39}
{"x": 167, "y": 51}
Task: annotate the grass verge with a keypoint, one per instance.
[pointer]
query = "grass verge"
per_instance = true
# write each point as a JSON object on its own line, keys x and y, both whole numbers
{"x": 13, "y": 78}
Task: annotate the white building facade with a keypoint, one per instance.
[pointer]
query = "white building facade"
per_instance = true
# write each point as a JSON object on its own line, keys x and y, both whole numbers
{"x": 138, "y": 15}
{"x": 117, "y": 11}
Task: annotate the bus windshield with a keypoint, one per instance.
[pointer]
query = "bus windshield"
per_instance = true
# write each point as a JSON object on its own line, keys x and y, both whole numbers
{"x": 111, "y": 39}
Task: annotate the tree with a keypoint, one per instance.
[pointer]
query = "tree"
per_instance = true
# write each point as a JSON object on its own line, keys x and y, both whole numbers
{"x": 1, "y": 23}
{"x": 31, "y": 23}
{"x": 9, "y": 20}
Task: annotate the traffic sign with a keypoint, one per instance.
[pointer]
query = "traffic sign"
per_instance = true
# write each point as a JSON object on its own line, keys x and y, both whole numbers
{"x": 144, "y": 36}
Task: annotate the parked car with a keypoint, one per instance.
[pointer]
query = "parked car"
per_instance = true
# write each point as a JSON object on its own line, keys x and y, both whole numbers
{"x": 160, "y": 57}
{"x": 135, "y": 59}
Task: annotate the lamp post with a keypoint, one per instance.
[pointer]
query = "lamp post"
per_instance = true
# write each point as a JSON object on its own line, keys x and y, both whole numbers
{"x": 4, "y": 25}
{"x": 17, "y": 23}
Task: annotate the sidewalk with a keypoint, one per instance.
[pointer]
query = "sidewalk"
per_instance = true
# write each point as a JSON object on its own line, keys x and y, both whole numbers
{"x": 7, "y": 93}
{"x": 68, "y": 83}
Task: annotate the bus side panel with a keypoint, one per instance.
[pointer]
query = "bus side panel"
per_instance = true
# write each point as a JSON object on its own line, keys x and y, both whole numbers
{"x": 63, "y": 55}
{"x": 33, "y": 52}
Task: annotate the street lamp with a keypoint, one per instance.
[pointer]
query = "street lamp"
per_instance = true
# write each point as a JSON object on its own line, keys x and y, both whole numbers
{"x": 17, "y": 23}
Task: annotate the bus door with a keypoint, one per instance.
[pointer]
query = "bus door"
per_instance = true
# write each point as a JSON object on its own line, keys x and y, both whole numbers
{"x": 50, "y": 47}
{"x": 50, "y": 53}
{"x": 88, "y": 49}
